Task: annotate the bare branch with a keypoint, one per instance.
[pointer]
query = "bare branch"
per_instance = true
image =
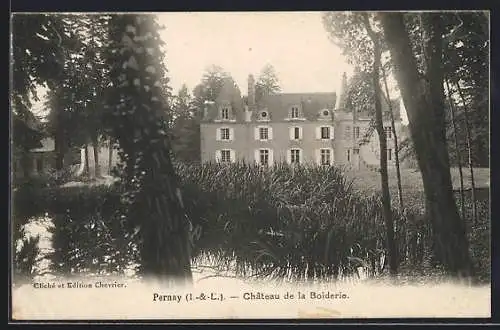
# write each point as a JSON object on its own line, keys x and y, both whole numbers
{"x": 452, "y": 36}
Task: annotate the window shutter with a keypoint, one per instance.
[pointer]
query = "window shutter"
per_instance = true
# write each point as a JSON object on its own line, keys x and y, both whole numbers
{"x": 256, "y": 130}
{"x": 231, "y": 134}
{"x": 232, "y": 155}
{"x": 300, "y": 133}
{"x": 271, "y": 157}
{"x": 318, "y": 133}
{"x": 257, "y": 156}
{"x": 270, "y": 133}
{"x": 332, "y": 133}
{"x": 218, "y": 156}
{"x": 318, "y": 156}
{"x": 217, "y": 134}
{"x": 332, "y": 158}
{"x": 289, "y": 156}
{"x": 291, "y": 131}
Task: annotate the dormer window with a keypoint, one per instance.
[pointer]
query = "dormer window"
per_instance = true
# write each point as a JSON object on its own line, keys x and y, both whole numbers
{"x": 324, "y": 114}
{"x": 225, "y": 113}
{"x": 263, "y": 115}
{"x": 294, "y": 112}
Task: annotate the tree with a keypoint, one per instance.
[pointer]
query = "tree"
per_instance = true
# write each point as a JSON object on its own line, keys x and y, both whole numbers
{"x": 75, "y": 102}
{"x": 185, "y": 128}
{"x": 466, "y": 52}
{"x": 215, "y": 83}
{"x": 38, "y": 44}
{"x": 384, "y": 177}
{"x": 455, "y": 138}
{"x": 97, "y": 83}
{"x": 467, "y": 73}
{"x": 424, "y": 102}
{"x": 395, "y": 137}
{"x": 138, "y": 107}
{"x": 211, "y": 83}
{"x": 356, "y": 34}
{"x": 267, "y": 83}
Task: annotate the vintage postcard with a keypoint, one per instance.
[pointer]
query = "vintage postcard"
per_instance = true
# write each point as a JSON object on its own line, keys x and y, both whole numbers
{"x": 250, "y": 165}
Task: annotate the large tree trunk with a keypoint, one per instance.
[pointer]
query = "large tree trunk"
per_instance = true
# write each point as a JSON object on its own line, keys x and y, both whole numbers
{"x": 95, "y": 147}
{"x": 86, "y": 171}
{"x": 60, "y": 140}
{"x": 384, "y": 176}
{"x": 457, "y": 148}
{"x": 469, "y": 149}
{"x": 166, "y": 247}
{"x": 59, "y": 152}
{"x": 156, "y": 206}
{"x": 396, "y": 144}
{"x": 110, "y": 155}
{"x": 423, "y": 101}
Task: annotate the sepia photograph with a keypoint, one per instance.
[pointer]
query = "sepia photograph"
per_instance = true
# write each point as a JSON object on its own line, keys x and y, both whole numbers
{"x": 249, "y": 165}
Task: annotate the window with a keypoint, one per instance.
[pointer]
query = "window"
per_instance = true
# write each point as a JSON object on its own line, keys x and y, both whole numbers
{"x": 295, "y": 156}
{"x": 225, "y": 113}
{"x": 295, "y": 112}
{"x": 224, "y": 133}
{"x": 389, "y": 154}
{"x": 326, "y": 113}
{"x": 296, "y": 133}
{"x": 355, "y": 151}
{"x": 348, "y": 132}
{"x": 225, "y": 156}
{"x": 263, "y": 133}
{"x": 388, "y": 132}
{"x": 348, "y": 155}
{"x": 356, "y": 132}
{"x": 263, "y": 115}
{"x": 325, "y": 132}
{"x": 325, "y": 156}
{"x": 264, "y": 156}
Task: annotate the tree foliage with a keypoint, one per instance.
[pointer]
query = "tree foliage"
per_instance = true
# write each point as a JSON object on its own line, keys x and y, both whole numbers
{"x": 360, "y": 37}
{"x": 185, "y": 127}
{"x": 37, "y": 58}
{"x": 138, "y": 105}
{"x": 465, "y": 49}
{"x": 267, "y": 82}
{"x": 424, "y": 101}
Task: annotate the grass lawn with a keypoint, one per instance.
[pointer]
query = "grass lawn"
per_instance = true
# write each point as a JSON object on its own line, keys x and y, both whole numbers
{"x": 411, "y": 181}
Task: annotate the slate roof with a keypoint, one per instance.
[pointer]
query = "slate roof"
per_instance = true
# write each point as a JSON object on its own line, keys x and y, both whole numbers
{"x": 279, "y": 105}
{"x": 229, "y": 94}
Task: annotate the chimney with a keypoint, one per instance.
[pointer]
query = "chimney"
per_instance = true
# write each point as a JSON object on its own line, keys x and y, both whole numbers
{"x": 251, "y": 90}
{"x": 343, "y": 92}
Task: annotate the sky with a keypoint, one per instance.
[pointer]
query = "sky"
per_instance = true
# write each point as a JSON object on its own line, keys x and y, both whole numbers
{"x": 242, "y": 43}
{"x": 296, "y": 44}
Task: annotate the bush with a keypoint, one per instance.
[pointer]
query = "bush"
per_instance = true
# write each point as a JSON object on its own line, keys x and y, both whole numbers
{"x": 289, "y": 222}
{"x": 301, "y": 222}
{"x": 90, "y": 234}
